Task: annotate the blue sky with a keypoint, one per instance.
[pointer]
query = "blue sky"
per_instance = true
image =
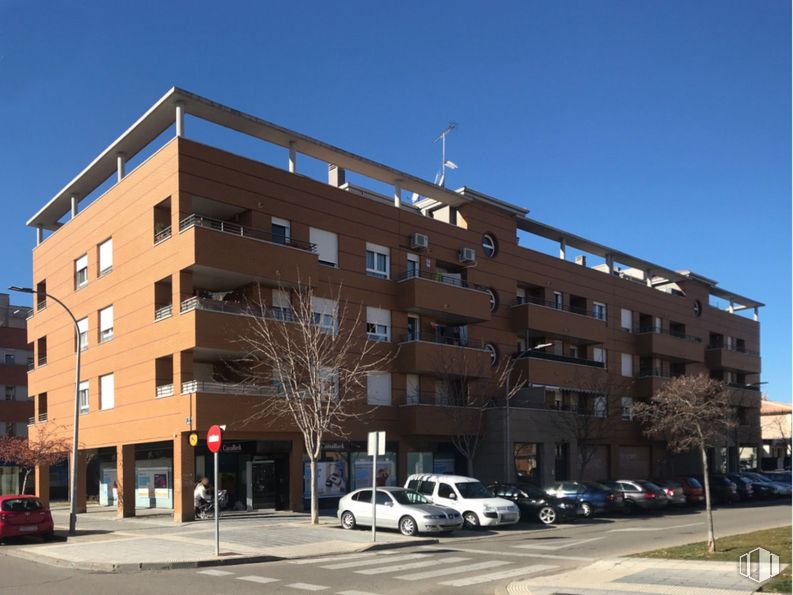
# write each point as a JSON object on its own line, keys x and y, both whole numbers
{"x": 661, "y": 128}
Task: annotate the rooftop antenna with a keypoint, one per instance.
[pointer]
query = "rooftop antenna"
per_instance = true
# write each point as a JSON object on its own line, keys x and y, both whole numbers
{"x": 440, "y": 177}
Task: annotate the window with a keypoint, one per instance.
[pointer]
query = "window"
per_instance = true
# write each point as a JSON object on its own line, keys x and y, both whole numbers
{"x": 599, "y": 310}
{"x": 599, "y": 355}
{"x": 11, "y": 393}
{"x": 558, "y": 300}
{"x": 446, "y": 491}
{"x": 82, "y": 327}
{"x": 107, "y": 392}
{"x": 414, "y": 268}
{"x": 489, "y": 245}
{"x": 599, "y": 406}
{"x": 105, "y": 257}
{"x": 377, "y": 259}
{"x": 280, "y": 230}
{"x": 363, "y": 496}
{"x": 282, "y": 305}
{"x": 378, "y": 388}
{"x": 330, "y": 382}
{"x": 414, "y": 328}
{"x": 81, "y": 272}
{"x": 83, "y": 396}
{"x": 425, "y": 487}
{"x": 493, "y": 298}
{"x": 520, "y": 295}
{"x": 382, "y": 499}
{"x": 627, "y": 408}
{"x": 378, "y": 324}
{"x": 627, "y": 364}
{"x": 105, "y": 324}
{"x": 327, "y": 244}
{"x": 492, "y": 352}
{"x": 324, "y": 313}
{"x": 626, "y": 319}
{"x": 527, "y": 458}
{"x": 412, "y": 389}
{"x": 10, "y": 359}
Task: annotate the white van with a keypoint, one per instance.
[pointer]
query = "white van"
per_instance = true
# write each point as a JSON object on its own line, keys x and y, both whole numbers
{"x": 467, "y": 496}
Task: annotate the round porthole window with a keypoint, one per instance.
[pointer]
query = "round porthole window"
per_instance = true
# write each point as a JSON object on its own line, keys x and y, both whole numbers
{"x": 493, "y": 298}
{"x": 489, "y": 245}
{"x": 492, "y": 352}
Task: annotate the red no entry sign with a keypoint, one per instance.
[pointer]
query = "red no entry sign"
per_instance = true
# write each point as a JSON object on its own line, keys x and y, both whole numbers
{"x": 214, "y": 438}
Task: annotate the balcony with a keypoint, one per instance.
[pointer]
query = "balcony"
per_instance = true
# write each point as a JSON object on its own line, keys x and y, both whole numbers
{"x": 720, "y": 357}
{"x": 447, "y": 298}
{"x": 664, "y": 343}
{"x": 163, "y": 312}
{"x": 269, "y": 259}
{"x": 227, "y": 388}
{"x": 426, "y": 417}
{"x": 744, "y": 395}
{"x": 443, "y": 358}
{"x": 164, "y": 390}
{"x": 547, "y": 318}
{"x": 550, "y": 369}
{"x": 650, "y": 382}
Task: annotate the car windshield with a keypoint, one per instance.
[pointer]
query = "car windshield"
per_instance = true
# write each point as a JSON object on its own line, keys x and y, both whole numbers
{"x": 408, "y": 497}
{"x": 22, "y": 505}
{"x": 694, "y": 483}
{"x": 473, "y": 489}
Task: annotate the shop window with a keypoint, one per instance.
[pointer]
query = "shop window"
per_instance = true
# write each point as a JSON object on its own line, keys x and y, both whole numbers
{"x": 527, "y": 461}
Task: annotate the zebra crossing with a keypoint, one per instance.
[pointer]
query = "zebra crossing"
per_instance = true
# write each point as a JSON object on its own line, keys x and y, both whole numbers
{"x": 449, "y": 568}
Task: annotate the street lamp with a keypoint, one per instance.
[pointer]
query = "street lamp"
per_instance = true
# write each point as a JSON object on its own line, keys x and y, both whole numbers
{"x": 73, "y": 499}
{"x": 508, "y": 430}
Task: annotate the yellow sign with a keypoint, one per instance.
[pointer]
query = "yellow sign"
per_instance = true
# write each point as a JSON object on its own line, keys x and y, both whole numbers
{"x": 193, "y": 439}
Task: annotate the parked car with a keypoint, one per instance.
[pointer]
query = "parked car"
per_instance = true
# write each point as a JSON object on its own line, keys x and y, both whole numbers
{"x": 692, "y": 488}
{"x": 766, "y": 487}
{"x": 397, "y": 508}
{"x": 673, "y": 490}
{"x": 722, "y": 490}
{"x": 743, "y": 485}
{"x": 534, "y": 503}
{"x": 779, "y": 476}
{"x": 590, "y": 497}
{"x": 467, "y": 496}
{"x": 639, "y": 494}
{"x": 24, "y": 515}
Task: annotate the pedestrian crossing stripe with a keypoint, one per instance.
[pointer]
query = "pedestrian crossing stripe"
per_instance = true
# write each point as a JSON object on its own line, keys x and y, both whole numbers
{"x": 417, "y": 576}
{"x": 372, "y": 562}
{"x": 263, "y": 580}
{"x": 494, "y": 576}
{"x": 409, "y": 566}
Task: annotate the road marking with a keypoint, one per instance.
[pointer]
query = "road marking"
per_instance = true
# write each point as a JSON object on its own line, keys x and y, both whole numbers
{"x": 410, "y": 565}
{"x": 331, "y": 558}
{"x": 307, "y": 587}
{"x": 263, "y": 580}
{"x": 372, "y": 562}
{"x": 553, "y": 548}
{"x": 524, "y": 554}
{"x": 417, "y": 576}
{"x": 494, "y": 576}
{"x": 644, "y": 529}
{"x": 355, "y": 593}
{"x": 211, "y": 572}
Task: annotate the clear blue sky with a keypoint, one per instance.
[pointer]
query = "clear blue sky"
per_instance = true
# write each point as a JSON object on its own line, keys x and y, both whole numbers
{"x": 661, "y": 128}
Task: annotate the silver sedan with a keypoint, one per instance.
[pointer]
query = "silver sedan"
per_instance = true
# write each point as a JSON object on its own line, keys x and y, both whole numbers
{"x": 397, "y": 508}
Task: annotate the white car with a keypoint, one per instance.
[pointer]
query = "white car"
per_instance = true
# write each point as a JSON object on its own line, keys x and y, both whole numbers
{"x": 466, "y": 495}
{"x": 397, "y": 508}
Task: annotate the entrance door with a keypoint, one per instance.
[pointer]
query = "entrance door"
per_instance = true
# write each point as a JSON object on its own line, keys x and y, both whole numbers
{"x": 262, "y": 485}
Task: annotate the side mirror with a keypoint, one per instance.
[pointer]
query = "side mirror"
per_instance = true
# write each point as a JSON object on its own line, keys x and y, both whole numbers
{"x": 452, "y": 496}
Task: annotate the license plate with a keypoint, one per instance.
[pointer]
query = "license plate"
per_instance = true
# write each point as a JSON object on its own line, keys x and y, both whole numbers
{"x": 28, "y": 528}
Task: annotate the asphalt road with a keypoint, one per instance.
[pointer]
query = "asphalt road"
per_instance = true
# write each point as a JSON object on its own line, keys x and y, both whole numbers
{"x": 465, "y": 564}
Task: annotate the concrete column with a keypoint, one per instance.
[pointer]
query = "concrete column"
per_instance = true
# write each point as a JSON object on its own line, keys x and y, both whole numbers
{"x": 74, "y": 205}
{"x": 121, "y": 163}
{"x": 42, "y": 483}
{"x": 179, "y": 119}
{"x": 397, "y": 194}
{"x": 296, "y": 476}
{"x": 292, "y": 157}
{"x": 648, "y": 277}
{"x": 184, "y": 479}
{"x": 562, "y": 248}
{"x": 731, "y": 308}
{"x": 125, "y": 480}
{"x": 610, "y": 263}
{"x": 39, "y": 234}
{"x": 82, "y": 464}
{"x": 756, "y": 315}
{"x": 336, "y": 175}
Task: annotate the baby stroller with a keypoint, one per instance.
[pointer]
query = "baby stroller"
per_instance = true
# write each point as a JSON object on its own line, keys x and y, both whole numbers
{"x": 207, "y": 509}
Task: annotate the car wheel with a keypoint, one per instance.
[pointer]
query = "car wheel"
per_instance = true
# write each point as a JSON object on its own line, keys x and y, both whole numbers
{"x": 348, "y": 520}
{"x": 408, "y": 526}
{"x": 470, "y": 520}
{"x": 586, "y": 510}
{"x": 630, "y": 507}
{"x": 547, "y": 515}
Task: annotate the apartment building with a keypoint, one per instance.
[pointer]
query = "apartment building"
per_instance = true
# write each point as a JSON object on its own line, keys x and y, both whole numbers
{"x": 155, "y": 266}
{"x": 16, "y": 408}
{"x": 775, "y": 426}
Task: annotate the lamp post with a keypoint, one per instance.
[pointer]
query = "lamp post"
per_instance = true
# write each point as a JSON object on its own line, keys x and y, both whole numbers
{"x": 73, "y": 478}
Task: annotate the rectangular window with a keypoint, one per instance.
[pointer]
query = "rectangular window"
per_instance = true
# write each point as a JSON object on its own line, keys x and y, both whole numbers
{"x": 520, "y": 295}
{"x": 414, "y": 328}
{"x": 107, "y": 392}
{"x": 414, "y": 268}
{"x": 105, "y": 324}
{"x": 83, "y": 396}
{"x": 627, "y": 364}
{"x": 282, "y": 305}
{"x": 558, "y": 300}
{"x": 378, "y": 388}
{"x": 627, "y": 408}
{"x": 599, "y": 406}
{"x": 599, "y": 310}
{"x": 82, "y": 326}
{"x": 377, "y": 261}
{"x": 330, "y": 382}
{"x": 527, "y": 457}
{"x": 281, "y": 230}
{"x": 106, "y": 257}
{"x": 10, "y": 359}
{"x": 327, "y": 244}
{"x": 626, "y": 319}
{"x": 378, "y": 324}
{"x": 599, "y": 355}
{"x": 412, "y": 389}
{"x": 11, "y": 393}
{"x": 81, "y": 272}
{"x": 324, "y": 314}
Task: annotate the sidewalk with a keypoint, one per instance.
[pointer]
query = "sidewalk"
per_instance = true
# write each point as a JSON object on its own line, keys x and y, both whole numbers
{"x": 153, "y": 541}
{"x": 648, "y": 576}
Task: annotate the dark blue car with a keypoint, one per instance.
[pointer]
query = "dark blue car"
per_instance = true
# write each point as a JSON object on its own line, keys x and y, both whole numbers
{"x": 590, "y": 497}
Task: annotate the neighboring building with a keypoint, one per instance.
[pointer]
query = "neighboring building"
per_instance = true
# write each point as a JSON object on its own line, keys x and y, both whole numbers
{"x": 15, "y": 406}
{"x": 775, "y": 425}
{"x": 147, "y": 265}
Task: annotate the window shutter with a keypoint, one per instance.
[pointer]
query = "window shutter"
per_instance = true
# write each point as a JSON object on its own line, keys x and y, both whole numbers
{"x": 327, "y": 245}
{"x": 378, "y": 316}
{"x": 378, "y": 388}
{"x": 82, "y": 325}
{"x": 106, "y": 255}
{"x": 106, "y": 319}
{"x": 626, "y": 319}
{"x": 281, "y": 299}
{"x": 81, "y": 263}
{"x": 107, "y": 390}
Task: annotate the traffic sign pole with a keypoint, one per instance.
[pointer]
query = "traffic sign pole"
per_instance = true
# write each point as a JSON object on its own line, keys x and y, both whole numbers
{"x": 375, "y": 446}
{"x": 214, "y": 442}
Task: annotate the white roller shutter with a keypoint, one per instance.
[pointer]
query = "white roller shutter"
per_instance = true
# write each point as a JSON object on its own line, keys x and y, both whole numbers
{"x": 378, "y": 388}
{"x": 327, "y": 245}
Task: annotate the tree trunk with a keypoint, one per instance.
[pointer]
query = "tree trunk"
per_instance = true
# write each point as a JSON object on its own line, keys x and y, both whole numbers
{"x": 314, "y": 495}
{"x": 708, "y": 508}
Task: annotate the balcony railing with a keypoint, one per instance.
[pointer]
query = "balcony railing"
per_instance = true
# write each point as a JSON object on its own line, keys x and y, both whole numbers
{"x": 664, "y": 331}
{"x": 444, "y": 340}
{"x": 744, "y": 386}
{"x": 734, "y": 348}
{"x": 164, "y": 390}
{"x": 440, "y": 278}
{"x": 227, "y": 388}
{"x": 210, "y": 305}
{"x": 653, "y": 373}
{"x": 41, "y": 304}
{"x": 162, "y": 235}
{"x": 42, "y": 360}
{"x": 246, "y": 232}
{"x": 29, "y": 315}
{"x": 31, "y": 365}
{"x": 556, "y": 306}
{"x": 163, "y": 312}
{"x": 41, "y": 419}
{"x": 554, "y": 357}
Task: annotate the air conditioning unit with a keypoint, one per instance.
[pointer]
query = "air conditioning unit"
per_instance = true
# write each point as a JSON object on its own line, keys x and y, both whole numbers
{"x": 419, "y": 241}
{"x": 467, "y": 255}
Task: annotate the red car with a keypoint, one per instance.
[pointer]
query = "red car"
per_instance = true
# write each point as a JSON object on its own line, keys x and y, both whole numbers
{"x": 24, "y": 515}
{"x": 692, "y": 488}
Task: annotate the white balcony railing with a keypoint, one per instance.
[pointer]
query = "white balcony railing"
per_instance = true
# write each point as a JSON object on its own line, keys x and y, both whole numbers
{"x": 227, "y": 388}
{"x": 164, "y": 390}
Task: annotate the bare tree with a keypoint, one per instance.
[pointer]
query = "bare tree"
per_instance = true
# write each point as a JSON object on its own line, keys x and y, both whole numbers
{"x": 26, "y": 453}
{"x": 690, "y": 413}
{"x": 317, "y": 355}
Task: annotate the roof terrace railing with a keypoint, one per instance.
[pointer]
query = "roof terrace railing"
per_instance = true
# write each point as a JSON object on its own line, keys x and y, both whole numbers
{"x": 641, "y": 330}
{"x": 555, "y": 357}
{"x": 236, "y": 229}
